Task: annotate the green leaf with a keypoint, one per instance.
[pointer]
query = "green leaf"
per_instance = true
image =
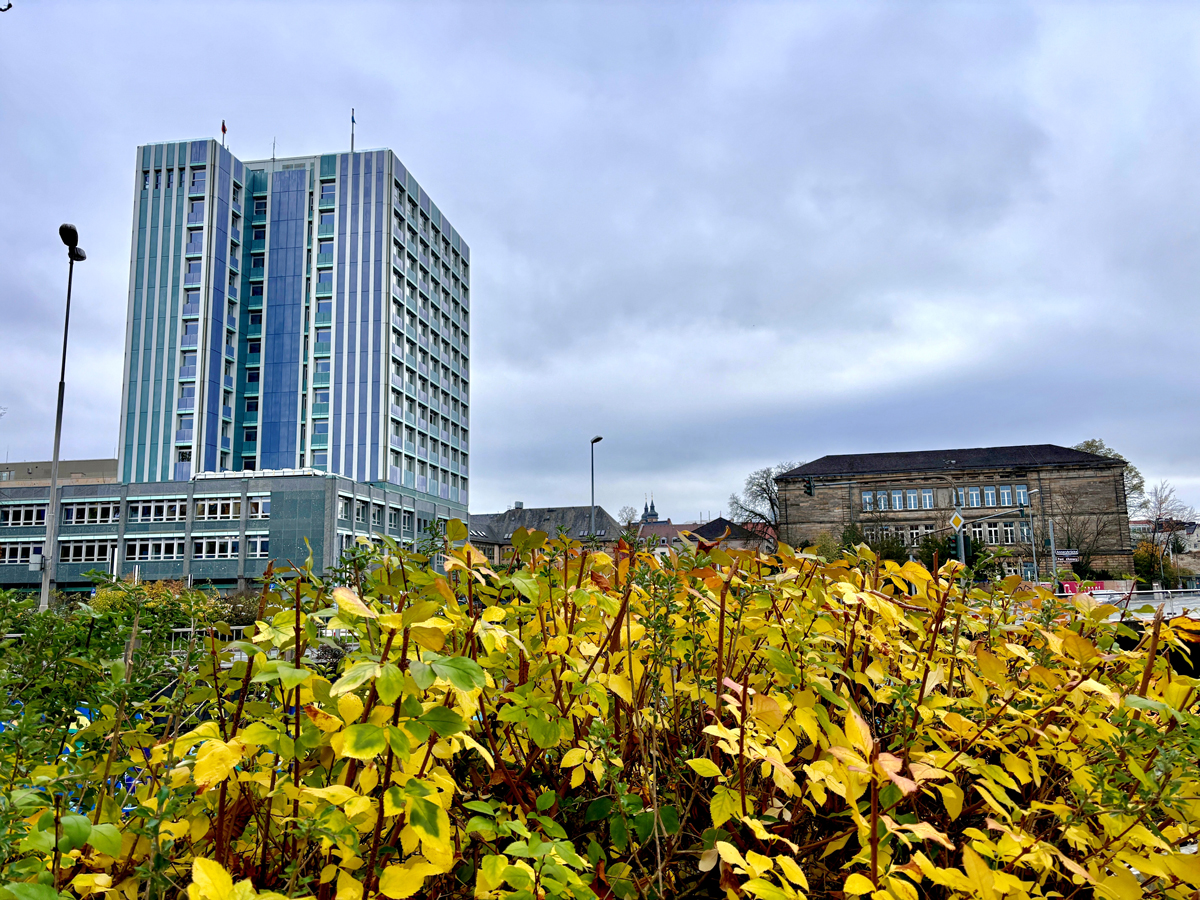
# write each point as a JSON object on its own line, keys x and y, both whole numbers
{"x": 546, "y": 800}
{"x": 527, "y": 584}
{"x": 422, "y": 674}
{"x": 618, "y": 832}
{"x": 544, "y": 732}
{"x": 106, "y": 839}
{"x": 598, "y": 810}
{"x": 465, "y": 674}
{"x": 420, "y": 611}
{"x": 291, "y": 676}
{"x": 443, "y": 720}
{"x": 364, "y": 741}
{"x": 480, "y": 806}
{"x": 259, "y": 733}
{"x": 75, "y": 831}
{"x": 669, "y": 817}
{"x": 643, "y": 825}
{"x": 32, "y": 891}
{"x": 390, "y": 683}
{"x": 355, "y": 675}
{"x": 456, "y": 530}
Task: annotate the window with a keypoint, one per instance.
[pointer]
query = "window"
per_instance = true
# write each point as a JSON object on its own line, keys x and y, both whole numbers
{"x": 197, "y": 179}
{"x": 254, "y": 347}
{"x": 325, "y": 276}
{"x": 1026, "y": 534}
{"x": 881, "y": 497}
{"x": 360, "y": 512}
{"x": 912, "y": 499}
{"x": 144, "y": 551}
{"x": 170, "y": 178}
{"x": 1009, "y": 532}
{"x": 324, "y": 247}
{"x": 193, "y": 267}
{"x": 327, "y": 190}
{"x": 320, "y": 459}
{"x": 393, "y": 518}
{"x": 183, "y": 456}
{"x": 1022, "y": 495}
{"x": 1005, "y": 495}
{"x": 219, "y": 508}
{"x": 252, "y": 376}
{"x": 377, "y": 516}
{"x": 914, "y": 535}
{"x": 157, "y": 179}
{"x": 22, "y": 516}
{"x": 343, "y": 507}
{"x": 157, "y": 511}
{"x": 977, "y": 532}
{"x": 260, "y": 207}
{"x": 256, "y": 290}
{"x": 146, "y": 180}
{"x": 989, "y": 496}
{"x": 326, "y": 220}
{"x": 19, "y": 553}
{"x": 258, "y": 234}
{"x": 973, "y": 493}
{"x": 85, "y": 551}
{"x": 257, "y": 548}
{"x": 928, "y": 530}
{"x": 260, "y": 507}
{"x": 90, "y": 513}
{"x": 962, "y": 496}
{"x": 320, "y": 397}
{"x": 408, "y": 520}
{"x": 250, "y": 435}
{"x": 321, "y": 366}
{"x": 926, "y": 498}
{"x": 215, "y": 548}
{"x": 251, "y": 404}
{"x": 255, "y": 319}
{"x": 320, "y": 426}
{"x": 993, "y": 532}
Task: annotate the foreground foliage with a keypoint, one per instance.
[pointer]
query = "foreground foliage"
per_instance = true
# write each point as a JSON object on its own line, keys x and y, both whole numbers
{"x": 709, "y": 723}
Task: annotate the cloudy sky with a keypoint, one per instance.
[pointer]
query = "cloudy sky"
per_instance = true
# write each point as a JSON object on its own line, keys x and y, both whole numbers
{"x": 719, "y": 234}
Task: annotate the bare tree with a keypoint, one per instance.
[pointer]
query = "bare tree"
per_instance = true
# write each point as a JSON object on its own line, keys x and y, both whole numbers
{"x": 1135, "y": 484}
{"x": 758, "y": 503}
{"x": 1078, "y": 526}
{"x": 627, "y": 516}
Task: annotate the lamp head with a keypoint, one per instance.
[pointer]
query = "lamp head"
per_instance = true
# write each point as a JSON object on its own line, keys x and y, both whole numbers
{"x": 77, "y": 254}
{"x": 597, "y": 439}
{"x": 69, "y": 234}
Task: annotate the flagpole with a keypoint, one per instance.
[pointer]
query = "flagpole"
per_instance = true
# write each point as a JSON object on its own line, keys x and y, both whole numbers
{"x": 352, "y": 130}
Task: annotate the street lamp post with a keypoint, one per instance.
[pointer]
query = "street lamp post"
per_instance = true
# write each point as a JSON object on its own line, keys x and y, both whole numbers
{"x": 70, "y": 237}
{"x": 597, "y": 439}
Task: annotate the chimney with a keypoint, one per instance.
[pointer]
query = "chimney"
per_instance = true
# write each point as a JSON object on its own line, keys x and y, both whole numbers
{"x": 520, "y": 504}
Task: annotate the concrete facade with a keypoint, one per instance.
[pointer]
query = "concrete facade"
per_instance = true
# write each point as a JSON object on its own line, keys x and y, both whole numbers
{"x": 912, "y": 495}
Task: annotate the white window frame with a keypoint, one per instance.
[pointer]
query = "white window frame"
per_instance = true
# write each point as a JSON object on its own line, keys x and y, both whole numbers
{"x": 926, "y": 498}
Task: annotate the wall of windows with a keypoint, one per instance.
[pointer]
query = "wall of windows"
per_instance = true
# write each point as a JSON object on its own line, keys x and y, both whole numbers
{"x": 223, "y": 508}
{"x": 974, "y": 496}
{"x": 85, "y": 551}
{"x": 91, "y": 513}
{"x": 224, "y": 547}
{"x": 155, "y": 549}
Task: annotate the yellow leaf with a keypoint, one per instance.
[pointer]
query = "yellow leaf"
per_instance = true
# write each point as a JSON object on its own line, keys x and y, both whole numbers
{"x": 322, "y": 719}
{"x": 858, "y": 884}
{"x": 350, "y": 708}
{"x": 859, "y": 733}
{"x": 442, "y": 588}
{"x": 991, "y": 667}
{"x": 348, "y": 887}
{"x": 572, "y": 757}
{"x": 577, "y": 776}
{"x": 730, "y": 854}
{"x": 405, "y": 880}
{"x": 210, "y": 877}
{"x": 725, "y": 803}
{"x": 978, "y": 871}
{"x": 620, "y": 686}
{"x": 952, "y": 796}
{"x": 215, "y": 760}
{"x": 705, "y": 767}
{"x": 335, "y": 793}
{"x": 1185, "y": 867}
{"x": 1080, "y": 648}
{"x": 348, "y": 601}
{"x": 767, "y": 710}
{"x": 1120, "y": 885}
{"x": 792, "y": 871}
{"x": 429, "y": 637}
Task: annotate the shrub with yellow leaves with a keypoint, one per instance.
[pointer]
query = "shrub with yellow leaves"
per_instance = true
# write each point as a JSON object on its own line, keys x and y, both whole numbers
{"x": 703, "y": 724}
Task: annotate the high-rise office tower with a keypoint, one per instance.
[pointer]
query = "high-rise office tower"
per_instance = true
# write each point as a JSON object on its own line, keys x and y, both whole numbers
{"x": 307, "y": 312}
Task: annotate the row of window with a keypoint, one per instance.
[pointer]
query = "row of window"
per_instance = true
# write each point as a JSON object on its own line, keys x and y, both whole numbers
{"x": 994, "y": 533}
{"x": 106, "y": 512}
{"x": 137, "y": 550}
{"x": 197, "y": 183}
{"x": 923, "y": 498}
{"x": 396, "y": 518}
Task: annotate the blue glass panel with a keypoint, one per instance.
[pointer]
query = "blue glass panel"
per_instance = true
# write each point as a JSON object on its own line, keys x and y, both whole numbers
{"x": 282, "y": 334}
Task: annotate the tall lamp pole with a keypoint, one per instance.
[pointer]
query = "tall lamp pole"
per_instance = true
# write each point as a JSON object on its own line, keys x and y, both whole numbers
{"x": 597, "y": 439}
{"x": 70, "y": 237}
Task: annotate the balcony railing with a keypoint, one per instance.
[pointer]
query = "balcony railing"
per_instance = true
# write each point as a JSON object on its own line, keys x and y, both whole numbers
{"x": 187, "y": 371}
{"x": 325, "y": 230}
{"x": 225, "y": 443}
{"x": 324, "y": 318}
{"x": 227, "y": 412}
{"x": 250, "y": 417}
{"x": 191, "y": 277}
{"x": 186, "y": 403}
{"x": 183, "y": 436}
{"x": 233, "y": 291}
{"x": 324, "y": 289}
{"x": 183, "y": 471}
{"x": 229, "y": 381}
{"x": 324, "y": 259}
{"x": 319, "y": 441}
{"x": 236, "y": 233}
{"x": 194, "y": 248}
{"x": 321, "y": 379}
{"x": 191, "y": 310}
{"x": 322, "y": 348}
{"x": 326, "y": 202}
{"x": 320, "y": 409}
{"x": 256, "y": 272}
{"x": 189, "y": 340}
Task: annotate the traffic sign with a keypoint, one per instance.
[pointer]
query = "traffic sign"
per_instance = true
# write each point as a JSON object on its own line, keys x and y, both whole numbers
{"x": 957, "y": 521}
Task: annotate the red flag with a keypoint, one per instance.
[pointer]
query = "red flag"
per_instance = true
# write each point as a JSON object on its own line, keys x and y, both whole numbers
{"x": 222, "y": 126}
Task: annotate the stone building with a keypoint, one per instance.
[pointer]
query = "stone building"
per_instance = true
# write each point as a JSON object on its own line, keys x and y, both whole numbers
{"x": 491, "y": 533}
{"x": 1075, "y": 499}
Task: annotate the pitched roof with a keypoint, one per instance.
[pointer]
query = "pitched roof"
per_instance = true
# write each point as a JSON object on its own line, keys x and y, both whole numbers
{"x": 1019, "y": 457}
{"x": 710, "y": 531}
{"x": 498, "y": 527}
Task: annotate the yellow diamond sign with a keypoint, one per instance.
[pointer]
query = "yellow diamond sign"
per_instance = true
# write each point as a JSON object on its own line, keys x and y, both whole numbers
{"x": 957, "y": 521}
